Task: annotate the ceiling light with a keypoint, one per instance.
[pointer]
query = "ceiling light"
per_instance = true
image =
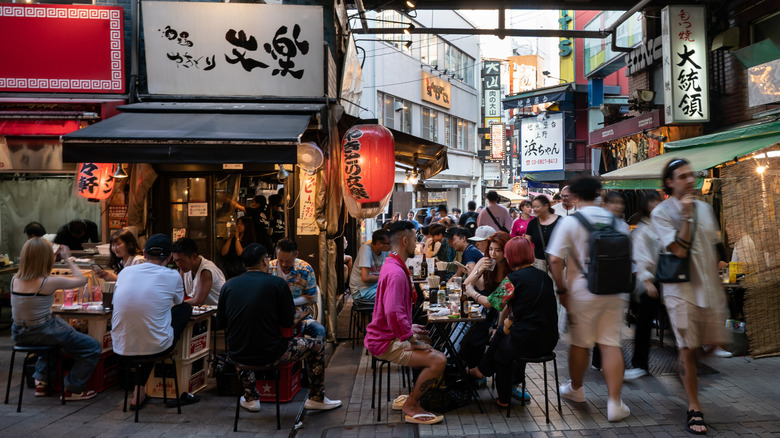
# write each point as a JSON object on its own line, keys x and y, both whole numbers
{"x": 120, "y": 171}
{"x": 408, "y": 30}
{"x": 408, "y": 44}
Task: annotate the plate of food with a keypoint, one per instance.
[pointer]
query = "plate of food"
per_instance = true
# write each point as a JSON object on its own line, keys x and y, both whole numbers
{"x": 71, "y": 307}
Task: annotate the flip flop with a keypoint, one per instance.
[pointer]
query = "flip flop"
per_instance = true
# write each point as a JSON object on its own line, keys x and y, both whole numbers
{"x": 501, "y": 404}
{"x": 141, "y": 406}
{"x": 418, "y": 418}
{"x": 185, "y": 399}
{"x": 398, "y": 403}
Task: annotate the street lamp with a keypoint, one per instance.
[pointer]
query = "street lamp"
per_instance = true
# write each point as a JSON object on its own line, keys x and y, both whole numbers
{"x": 547, "y": 74}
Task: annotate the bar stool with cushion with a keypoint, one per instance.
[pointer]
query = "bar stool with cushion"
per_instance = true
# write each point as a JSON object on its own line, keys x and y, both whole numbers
{"x": 258, "y": 368}
{"x": 133, "y": 363}
{"x": 542, "y": 360}
{"x": 52, "y": 353}
{"x": 359, "y": 317}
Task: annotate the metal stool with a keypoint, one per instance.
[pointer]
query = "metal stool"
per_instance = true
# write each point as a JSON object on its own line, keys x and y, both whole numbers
{"x": 262, "y": 368}
{"x": 51, "y": 352}
{"x": 406, "y": 380}
{"x": 359, "y": 317}
{"x": 542, "y": 360}
{"x": 135, "y": 362}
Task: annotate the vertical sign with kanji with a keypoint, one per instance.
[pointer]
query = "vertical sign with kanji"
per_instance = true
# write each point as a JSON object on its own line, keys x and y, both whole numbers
{"x": 686, "y": 98}
{"x": 491, "y": 75}
{"x": 307, "y": 224}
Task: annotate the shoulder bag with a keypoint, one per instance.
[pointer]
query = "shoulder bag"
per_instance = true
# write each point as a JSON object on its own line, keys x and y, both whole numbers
{"x": 673, "y": 269}
{"x": 500, "y": 227}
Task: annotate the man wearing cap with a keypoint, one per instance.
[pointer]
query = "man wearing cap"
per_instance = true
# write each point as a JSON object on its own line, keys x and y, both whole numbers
{"x": 149, "y": 309}
{"x": 253, "y": 307}
{"x": 480, "y": 237}
{"x": 495, "y": 215}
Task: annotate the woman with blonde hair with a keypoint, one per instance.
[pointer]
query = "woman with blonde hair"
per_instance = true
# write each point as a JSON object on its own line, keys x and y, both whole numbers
{"x": 124, "y": 252}
{"x": 32, "y": 295}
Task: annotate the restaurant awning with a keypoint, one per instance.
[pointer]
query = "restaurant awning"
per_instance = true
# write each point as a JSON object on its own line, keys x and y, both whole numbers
{"x": 704, "y": 153}
{"x": 512, "y": 196}
{"x": 427, "y": 157}
{"x": 193, "y": 133}
{"x": 625, "y": 128}
{"x": 444, "y": 184}
{"x": 555, "y": 93}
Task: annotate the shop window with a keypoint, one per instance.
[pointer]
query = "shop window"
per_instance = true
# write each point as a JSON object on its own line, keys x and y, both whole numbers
{"x": 430, "y": 128}
{"x": 447, "y": 130}
{"x": 406, "y": 125}
{"x": 190, "y": 211}
{"x": 389, "y": 110}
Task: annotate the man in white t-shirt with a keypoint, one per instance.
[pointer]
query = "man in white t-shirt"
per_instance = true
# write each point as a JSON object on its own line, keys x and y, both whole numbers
{"x": 202, "y": 278}
{"x": 591, "y": 318}
{"x": 567, "y": 207}
{"x": 149, "y": 312}
{"x": 365, "y": 271}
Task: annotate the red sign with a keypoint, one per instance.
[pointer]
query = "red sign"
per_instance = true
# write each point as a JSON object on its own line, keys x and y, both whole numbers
{"x": 59, "y": 48}
{"x": 625, "y": 128}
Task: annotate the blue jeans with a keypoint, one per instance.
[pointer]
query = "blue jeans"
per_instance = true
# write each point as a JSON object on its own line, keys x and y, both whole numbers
{"x": 313, "y": 329}
{"x": 368, "y": 293}
{"x": 84, "y": 349}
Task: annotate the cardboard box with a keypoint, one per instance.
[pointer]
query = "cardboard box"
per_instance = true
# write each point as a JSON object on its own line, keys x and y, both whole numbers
{"x": 289, "y": 383}
{"x": 194, "y": 340}
{"x": 104, "y": 376}
{"x": 191, "y": 373}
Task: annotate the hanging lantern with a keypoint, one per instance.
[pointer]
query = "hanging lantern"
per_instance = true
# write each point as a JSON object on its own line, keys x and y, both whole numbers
{"x": 95, "y": 181}
{"x": 369, "y": 169}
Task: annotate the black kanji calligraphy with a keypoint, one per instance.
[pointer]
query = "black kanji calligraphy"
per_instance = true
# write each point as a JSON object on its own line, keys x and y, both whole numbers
{"x": 284, "y": 49}
{"x": 239, "y": 39}
{"x": 685, "y": 57}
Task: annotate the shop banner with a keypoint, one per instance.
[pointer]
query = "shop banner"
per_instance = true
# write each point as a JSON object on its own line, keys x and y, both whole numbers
{"x": 307, "y": 225}
{"x": 435, "y": 90}
{"x": 686, "y": 98}
{"x": 542, "y": 144}
{"x": 234, "y": 49}
{"x": 497, "y": 139}
{"x": 60, "y": 48}
{"x": 491, "y": 171}
{"x": 493, "y": 103}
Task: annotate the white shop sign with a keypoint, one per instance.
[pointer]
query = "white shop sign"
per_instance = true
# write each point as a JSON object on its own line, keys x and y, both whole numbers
{"x": 233, "y": 49}
{"x": 541, "y": 146}
{"x": 686, "y": 98}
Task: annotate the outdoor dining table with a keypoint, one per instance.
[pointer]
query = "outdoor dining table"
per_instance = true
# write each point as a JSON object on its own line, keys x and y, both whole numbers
{"x": 446, "y": 332}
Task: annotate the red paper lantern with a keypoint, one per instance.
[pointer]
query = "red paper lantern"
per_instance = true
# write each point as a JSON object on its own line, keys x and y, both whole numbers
{"x": 369, "y": 164}
{"x": 95, "y": 181}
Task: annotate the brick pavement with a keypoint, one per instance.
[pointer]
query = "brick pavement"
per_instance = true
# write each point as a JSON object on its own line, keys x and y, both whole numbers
{"x": 741, "y": 399}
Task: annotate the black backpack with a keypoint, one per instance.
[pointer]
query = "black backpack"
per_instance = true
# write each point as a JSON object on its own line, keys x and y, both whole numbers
{"x": 609, "y": 265}
{"x": 471, "y": 225}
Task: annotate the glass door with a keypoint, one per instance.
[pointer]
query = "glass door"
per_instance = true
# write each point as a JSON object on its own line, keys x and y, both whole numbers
{"x": 191, "y": 211}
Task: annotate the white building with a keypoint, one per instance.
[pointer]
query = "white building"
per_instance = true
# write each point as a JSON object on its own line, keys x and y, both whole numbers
{"x": 396, "y": 70}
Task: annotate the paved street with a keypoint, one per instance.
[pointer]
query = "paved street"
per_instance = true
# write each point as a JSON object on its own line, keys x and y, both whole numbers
{"x": 740, "y": 399}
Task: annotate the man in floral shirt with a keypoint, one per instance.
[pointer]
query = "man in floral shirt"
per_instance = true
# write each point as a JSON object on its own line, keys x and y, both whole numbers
{"x": 299, "y": 276}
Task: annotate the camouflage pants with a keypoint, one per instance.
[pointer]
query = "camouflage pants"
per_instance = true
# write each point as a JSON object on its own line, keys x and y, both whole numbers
{"x": 308, "y": 350}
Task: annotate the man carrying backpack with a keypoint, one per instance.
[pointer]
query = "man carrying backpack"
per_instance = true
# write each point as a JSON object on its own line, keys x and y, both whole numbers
{"x": 599, "y": 265}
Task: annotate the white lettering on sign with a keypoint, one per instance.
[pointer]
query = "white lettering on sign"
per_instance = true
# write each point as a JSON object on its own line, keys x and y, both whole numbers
{"x": 607, "y": 133}
{"x": 645, "y": 122}
{"x": 232, "y": 166}
{"x": 644, "y": 56}
{"x": 542, "y": 144}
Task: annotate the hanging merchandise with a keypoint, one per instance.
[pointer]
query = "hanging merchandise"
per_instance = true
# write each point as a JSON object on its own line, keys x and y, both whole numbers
{"x": 95, "y": 181}
{"x": 369, "y": 169}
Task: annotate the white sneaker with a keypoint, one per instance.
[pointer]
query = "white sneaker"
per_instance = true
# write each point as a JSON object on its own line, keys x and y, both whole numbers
{"x": 719, "y": 352}
{"x": 251, "y": 406}
{"x": 325, "y": 405}
{"x": 634, "y": 373}
{"x": 575, "y": 395}
{"x": 617, "y": 411}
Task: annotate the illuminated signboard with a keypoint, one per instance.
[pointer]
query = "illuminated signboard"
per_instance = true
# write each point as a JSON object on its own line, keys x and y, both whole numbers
{"x": 497, "y": 139}
{"x": 685, "y": 64}
{"x": 542, "y": 144}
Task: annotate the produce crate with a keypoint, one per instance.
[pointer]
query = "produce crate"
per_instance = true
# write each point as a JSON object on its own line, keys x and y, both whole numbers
{"x": 289, "y": 383}
{"x": 104, "y": 376}
{"x": 191, "y": 373}
{"x": 194, "y": 339}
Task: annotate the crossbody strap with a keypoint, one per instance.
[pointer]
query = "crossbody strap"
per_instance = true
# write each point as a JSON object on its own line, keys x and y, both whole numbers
{"x": 501, "y": 227}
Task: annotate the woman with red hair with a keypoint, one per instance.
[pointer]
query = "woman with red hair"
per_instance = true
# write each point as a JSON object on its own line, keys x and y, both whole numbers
{"x": 529, "y": 314}
{"x": 485, "y": 281}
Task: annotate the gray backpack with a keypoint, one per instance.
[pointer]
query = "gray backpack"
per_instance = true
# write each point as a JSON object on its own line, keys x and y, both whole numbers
{"x": 609, "y": 266}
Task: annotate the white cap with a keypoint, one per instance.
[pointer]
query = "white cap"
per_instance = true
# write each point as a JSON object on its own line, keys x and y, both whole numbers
{"x": 482, "y": 233}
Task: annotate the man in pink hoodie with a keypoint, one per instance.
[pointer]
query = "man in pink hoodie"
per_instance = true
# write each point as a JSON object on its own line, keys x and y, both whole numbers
{"x": 391, "y": 335}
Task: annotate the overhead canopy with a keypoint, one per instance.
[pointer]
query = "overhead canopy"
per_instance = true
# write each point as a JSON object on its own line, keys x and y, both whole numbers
{"x": 704, "y": 153}
{"x": 556, "y": 93}
{"x": 512, "y": 196}
{"x": 192, "y": 133}
{"x": 444, "y": 184}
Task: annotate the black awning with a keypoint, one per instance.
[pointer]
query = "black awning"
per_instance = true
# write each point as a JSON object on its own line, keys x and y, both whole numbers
{"x": 555, "y": 93}
{"x": 188, "y": 137}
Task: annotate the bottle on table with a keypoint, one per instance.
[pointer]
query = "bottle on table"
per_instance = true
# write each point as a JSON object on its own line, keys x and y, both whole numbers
{"x": 442, "y": 295}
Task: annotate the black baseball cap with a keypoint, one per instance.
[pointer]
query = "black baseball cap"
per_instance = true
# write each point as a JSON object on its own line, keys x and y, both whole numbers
{"x": 159, "y": 245}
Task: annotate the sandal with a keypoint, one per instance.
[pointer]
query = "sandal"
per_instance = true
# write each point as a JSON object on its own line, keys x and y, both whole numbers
{"x": 398, "y": 403}
{"x": 141, "y": 406}
{"x": 419, "y": 418}
{"x": 501, "y": 404}
{"x": 693, "y": 422}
